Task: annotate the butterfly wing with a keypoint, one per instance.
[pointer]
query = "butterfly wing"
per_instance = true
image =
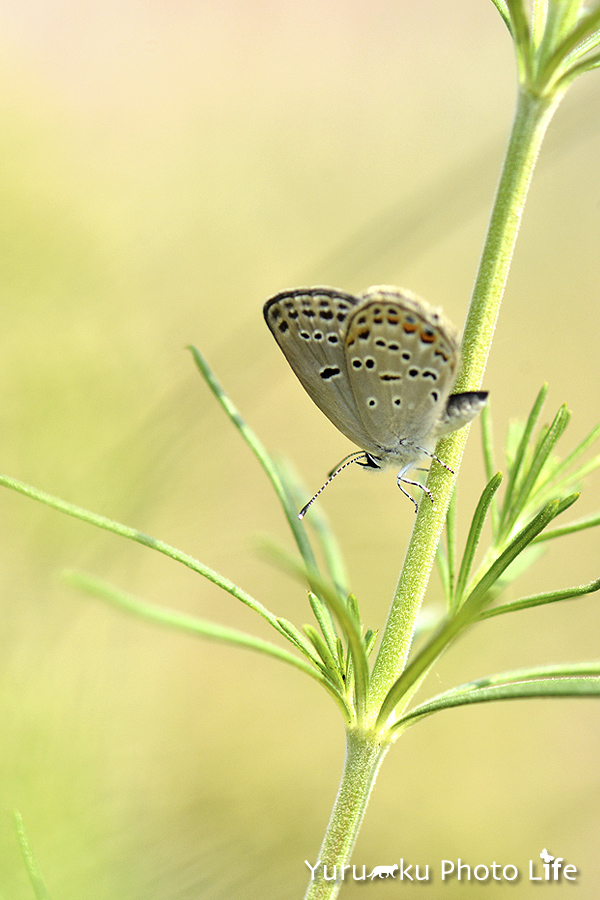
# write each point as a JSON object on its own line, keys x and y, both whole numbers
{"x": 402, "y": 358}
{"x": 309, "y": 324}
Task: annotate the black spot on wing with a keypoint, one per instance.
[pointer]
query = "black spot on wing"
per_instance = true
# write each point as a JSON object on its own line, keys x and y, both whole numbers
{"x": 329, "y": 372}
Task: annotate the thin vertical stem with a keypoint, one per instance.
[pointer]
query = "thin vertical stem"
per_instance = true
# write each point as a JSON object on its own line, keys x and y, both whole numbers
{"x": 533, "y": 114}
{"x": 364, "y": 754}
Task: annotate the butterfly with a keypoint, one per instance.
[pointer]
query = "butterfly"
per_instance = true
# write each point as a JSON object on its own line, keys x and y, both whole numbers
{"x": 381, "y": 366}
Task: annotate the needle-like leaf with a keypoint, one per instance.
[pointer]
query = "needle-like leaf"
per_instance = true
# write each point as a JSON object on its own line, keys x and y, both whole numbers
{"x": 541, "y": 599}
{"x": 514, "y": 471}
{"x": 346, "y": 615}
{"x": 570, "y": 459}
{"x": 323, "y": 616}
{"x": 578, "y": 525}
{"x": 171, "y": 618}
{"x": 541, "y": 455}
{"x": 139, "y": 537}
{"x": 474, "y": 534}
{"x": 578, "y": 680}
{"x": 329, "y": 661}
{"x": 326, "y": 539}
{"x": 479, "y": 595}
{"x": 36, "y": 878}
{"x": 503, "y": 10}
{"x": 263, "y": 457}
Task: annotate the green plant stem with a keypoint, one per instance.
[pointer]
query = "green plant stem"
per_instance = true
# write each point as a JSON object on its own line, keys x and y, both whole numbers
{"x": 364, "y": 754}
{"x": 533, "y": 115}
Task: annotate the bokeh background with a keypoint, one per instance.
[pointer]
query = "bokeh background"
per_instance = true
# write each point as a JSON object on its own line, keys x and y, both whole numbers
{"x": 165, "y": 167}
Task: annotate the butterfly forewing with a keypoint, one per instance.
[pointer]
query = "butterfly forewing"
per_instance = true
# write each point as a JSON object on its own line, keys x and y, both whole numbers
{"x": 401, "y": 359}
{"x": 308, "y": 324}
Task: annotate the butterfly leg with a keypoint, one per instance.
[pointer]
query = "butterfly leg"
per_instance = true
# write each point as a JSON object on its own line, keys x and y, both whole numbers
{"x": 400, "y": 480}
{"x": 436, "y": 458}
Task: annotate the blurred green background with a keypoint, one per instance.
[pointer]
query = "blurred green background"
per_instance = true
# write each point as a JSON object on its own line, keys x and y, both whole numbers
{"x": 165, "y": 167}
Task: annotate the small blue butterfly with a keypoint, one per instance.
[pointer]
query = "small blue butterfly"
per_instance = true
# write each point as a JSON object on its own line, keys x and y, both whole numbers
{"x": 381, "y": 366}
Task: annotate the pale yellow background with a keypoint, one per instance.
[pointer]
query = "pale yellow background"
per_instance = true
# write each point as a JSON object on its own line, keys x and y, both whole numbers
{"x": 165, "y": 167}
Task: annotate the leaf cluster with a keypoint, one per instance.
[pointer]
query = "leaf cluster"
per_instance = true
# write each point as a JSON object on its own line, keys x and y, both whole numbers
{"x": 555, "y": 41}
{"x": 539, "y": 487}
{"x": 335, "y": 649}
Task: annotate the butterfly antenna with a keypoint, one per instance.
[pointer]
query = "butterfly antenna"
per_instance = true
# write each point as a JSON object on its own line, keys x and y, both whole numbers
{"x": 354, "y": 457}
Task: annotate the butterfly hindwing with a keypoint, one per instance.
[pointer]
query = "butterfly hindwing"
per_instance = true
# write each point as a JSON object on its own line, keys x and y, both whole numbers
{"x": 401, "y": 360}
